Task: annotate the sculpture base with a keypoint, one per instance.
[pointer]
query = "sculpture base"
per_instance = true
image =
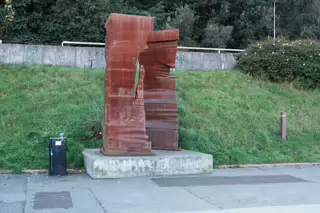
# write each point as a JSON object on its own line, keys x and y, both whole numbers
{"x": 162, "y": 163}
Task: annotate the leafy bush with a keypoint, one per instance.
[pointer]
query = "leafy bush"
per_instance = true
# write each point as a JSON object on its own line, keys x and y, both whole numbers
{"x": 281, "y": 61}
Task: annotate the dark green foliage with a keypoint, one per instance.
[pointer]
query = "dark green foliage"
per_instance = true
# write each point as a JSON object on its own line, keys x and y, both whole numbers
{"x": 184, "y": 20}
{"x": 217, "y": 35}
{"x": 52, "y": 21}
{"x": 251, "y": 20}
{"x": 282, "y": 61}
{"x": 301, "y": 19}
{"x": 208, "y": 23}
{"x": 6, "y": 18}
{"x": 2, "y": 3}
{"x": 157, "y": 11}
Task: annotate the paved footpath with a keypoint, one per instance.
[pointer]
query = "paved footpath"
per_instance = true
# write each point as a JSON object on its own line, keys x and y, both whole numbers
{"x": 253, "y": 190}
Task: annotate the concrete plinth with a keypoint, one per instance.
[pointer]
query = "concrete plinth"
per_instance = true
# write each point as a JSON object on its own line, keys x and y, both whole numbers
{"x": 162, "y": 163}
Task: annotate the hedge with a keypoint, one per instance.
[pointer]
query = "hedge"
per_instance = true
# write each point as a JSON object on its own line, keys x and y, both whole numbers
{"x": 284, "y": 61}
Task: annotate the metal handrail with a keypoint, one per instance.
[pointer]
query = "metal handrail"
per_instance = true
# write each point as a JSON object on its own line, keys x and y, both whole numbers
{"x": 211, "y": 49}
{"x": 85, "y": 43}
{"x": 179, "y": 48}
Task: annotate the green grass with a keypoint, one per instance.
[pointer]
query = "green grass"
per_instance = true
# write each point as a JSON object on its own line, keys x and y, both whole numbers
{"x": 227, "y": 114}
{"x": 41, "y": 102}
{"x": 237, "y": 119}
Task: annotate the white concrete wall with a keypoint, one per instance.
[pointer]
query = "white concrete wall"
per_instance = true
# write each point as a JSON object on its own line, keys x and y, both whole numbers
{"x": 92, "y": 57}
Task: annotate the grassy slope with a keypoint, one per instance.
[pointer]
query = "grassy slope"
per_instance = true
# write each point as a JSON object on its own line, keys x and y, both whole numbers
{"x": 237, "y": 119}
{"x": 41, "y": 102}
{"x": 226, "y": 114}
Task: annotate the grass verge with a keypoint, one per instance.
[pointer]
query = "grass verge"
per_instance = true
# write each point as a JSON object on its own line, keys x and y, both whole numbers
{"x": 226, "y": 114}
{"x": 41, "y": 102}
{"x": 237, "y": 119}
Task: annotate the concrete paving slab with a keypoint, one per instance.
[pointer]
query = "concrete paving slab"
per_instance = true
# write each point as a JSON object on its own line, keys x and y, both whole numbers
{"x": 270, "y": 209}
{"x": 17, "y": 207}
{"x": 44, "y": 182}
{"x": 12, "y": 188}
{"x": 84, "y": 181}
{"x": 141, "y": 195}
{"x": 279, "y": 209}
{"x": 82, "y": 199}
{"x": 245, "y": 171}
{"x": 149, "y": 200}
{"x": 241, "y": 196}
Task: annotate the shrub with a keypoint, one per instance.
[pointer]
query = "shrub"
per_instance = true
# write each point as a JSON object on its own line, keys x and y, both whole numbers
{"x": 281, "y": 61}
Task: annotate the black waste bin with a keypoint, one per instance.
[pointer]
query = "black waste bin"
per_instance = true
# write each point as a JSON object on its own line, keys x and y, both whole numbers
{"x": 58, "y": 156}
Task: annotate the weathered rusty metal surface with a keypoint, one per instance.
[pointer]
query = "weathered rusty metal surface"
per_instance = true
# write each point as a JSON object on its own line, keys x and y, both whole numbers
{"x": 133, "y": 120}
{"x": 124, "y": 120}
{"x": 161, "y": 106}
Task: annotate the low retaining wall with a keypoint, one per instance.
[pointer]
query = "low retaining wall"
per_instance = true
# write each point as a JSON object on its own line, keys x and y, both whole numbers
{"x": 92, "y": 57}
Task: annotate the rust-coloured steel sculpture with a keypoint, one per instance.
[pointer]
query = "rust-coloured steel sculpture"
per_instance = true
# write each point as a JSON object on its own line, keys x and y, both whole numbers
{"x": 126, "y": 112}
{"x": 161, "y": 106}
{"x": 124, "y": 120}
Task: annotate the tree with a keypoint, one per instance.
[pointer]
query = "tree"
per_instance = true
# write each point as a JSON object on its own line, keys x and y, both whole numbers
{"x": 210, "y": 23}
{"x": 217, "y": 35}
{"x": 183, "y": 20}
{"x": 204, "y": 10}
{"x": 249, "y": 20}
{"x": 6, "y": 18}
{"x": 157, "y": 11}
{"x": 52, "y": 21}
{"x": 299, "y": 18}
